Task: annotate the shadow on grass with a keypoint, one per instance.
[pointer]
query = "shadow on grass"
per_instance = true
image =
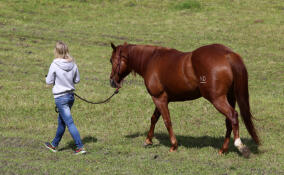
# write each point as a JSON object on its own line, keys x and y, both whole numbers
{"x": 71, "y": 144}
{"x": 198, "y": 142}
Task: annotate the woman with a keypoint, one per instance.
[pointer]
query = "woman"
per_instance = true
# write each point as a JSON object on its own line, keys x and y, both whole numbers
{"x": 63, "y": 74}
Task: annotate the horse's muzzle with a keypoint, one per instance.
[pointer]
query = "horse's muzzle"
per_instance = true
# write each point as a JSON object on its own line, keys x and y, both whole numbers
{"x": 112, "y": 83}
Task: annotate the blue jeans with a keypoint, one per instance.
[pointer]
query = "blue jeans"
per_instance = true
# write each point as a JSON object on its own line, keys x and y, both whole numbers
{"x": 64, "y": 104}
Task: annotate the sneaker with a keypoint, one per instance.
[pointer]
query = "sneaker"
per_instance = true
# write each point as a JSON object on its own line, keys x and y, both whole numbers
{"x": 80, "y": 151}
{"x": 50, "y": 147}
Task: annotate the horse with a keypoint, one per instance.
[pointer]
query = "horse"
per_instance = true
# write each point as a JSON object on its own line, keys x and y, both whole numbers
{"x": 213, "y": 71}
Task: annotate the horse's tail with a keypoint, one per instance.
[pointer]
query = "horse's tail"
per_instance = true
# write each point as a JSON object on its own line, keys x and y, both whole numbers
{"x": 241, "y": 92}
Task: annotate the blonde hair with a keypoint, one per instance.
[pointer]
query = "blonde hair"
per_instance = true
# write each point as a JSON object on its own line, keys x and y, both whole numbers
{"x": 61, "y": 51}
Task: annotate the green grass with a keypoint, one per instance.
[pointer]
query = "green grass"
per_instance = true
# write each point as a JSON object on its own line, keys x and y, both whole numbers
{"x": 189, "y": 4}
{"x": 114, "y": 133}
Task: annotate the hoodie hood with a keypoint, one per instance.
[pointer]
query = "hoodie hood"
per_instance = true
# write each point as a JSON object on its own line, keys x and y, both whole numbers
{"x": 64, "y": 64}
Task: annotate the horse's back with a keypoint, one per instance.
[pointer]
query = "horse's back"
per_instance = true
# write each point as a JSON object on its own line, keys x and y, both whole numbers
{"x": 172, "y": 72}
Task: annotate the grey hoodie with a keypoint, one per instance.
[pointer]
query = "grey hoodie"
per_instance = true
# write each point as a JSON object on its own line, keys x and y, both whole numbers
{"x": 63, "y": 74}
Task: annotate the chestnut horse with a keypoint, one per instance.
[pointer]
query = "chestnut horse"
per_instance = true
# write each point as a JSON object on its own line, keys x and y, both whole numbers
{"x": 214, "y": 72}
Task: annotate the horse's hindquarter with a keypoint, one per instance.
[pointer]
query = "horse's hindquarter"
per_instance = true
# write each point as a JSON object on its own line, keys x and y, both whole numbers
{"x": 213, "y": 69}
{"x": 173, "y": 74}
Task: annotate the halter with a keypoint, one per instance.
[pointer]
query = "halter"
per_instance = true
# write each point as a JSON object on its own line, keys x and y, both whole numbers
{"x": 119, "y": 64}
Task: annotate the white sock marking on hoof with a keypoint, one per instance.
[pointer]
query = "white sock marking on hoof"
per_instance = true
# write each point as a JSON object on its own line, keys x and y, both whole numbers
{"x": 238, "y": 143}
{"x": 242, "y": 148}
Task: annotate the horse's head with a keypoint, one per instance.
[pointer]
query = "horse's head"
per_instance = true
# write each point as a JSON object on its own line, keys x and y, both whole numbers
{"x": 120, "y": 68}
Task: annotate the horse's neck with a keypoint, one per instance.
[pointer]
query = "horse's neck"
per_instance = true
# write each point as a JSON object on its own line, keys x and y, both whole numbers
{"x": 138, "y": 58}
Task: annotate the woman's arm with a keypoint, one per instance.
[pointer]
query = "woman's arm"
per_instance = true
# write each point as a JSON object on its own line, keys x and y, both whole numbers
{"x": 50, "y": 78}
{"x": 76, "y": 76}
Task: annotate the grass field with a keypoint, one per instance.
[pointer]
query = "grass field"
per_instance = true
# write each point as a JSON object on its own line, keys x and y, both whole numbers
{"x": 114, "y": 133}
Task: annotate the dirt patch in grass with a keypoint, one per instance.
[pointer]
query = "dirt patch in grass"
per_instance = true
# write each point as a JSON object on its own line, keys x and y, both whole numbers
{"x": 126, "y": 39}
{"x": 18, "y": 142}
{"x": 116, "y": 37}
{"x": 98, "y": 43}
{"x": 5, "y": 49}
{"x": 8, "y": 167}
{"x": 259, "y": 21}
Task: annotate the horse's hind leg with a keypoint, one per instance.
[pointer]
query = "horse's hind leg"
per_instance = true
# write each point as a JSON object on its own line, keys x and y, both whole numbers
{"x": 232, "y": 100}
{"x": 154, "y": 119}
{"x": 222, "y": 105}
{"x": 227, "y": 137}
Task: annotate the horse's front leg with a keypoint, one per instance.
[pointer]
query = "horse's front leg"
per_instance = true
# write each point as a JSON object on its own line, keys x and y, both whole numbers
{"x": 161, "y": 103}
{"x": 154, "y": 119}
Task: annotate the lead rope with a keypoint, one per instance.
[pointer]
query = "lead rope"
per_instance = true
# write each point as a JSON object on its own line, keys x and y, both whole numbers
{"x": 87, "y": 101}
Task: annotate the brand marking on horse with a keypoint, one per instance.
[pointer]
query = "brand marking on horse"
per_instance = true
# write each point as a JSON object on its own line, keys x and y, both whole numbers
{"x": 203, "y": 79}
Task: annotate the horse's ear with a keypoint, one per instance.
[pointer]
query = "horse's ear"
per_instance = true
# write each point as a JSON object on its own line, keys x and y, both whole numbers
{"x": 125, "y": 43}
{"x": 113, "y": 46}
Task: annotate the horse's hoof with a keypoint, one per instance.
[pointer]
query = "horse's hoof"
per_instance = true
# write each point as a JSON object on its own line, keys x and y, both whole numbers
{"x": 244, "y": 150}
{"x": 222, "y": 151}
{"x": 173, "y": 149}
{"x": 147, "y": 144}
